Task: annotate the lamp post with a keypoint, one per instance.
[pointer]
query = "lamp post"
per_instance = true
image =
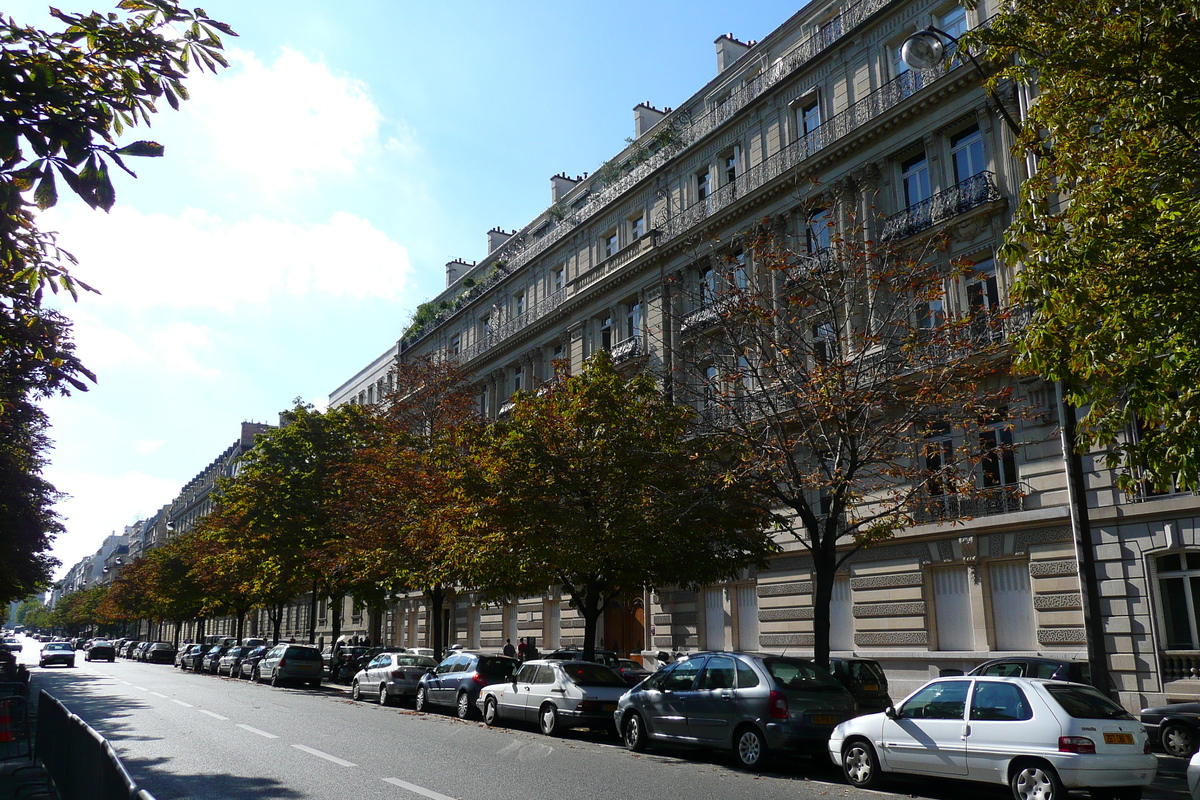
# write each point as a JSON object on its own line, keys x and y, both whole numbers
{"x": 926, "y": 49}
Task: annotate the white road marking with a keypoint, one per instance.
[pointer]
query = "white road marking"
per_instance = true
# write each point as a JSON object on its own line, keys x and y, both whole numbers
{"x": 159, "y": 694}
{"x": 214, "y": 716}
{"x": 412, "y": 787}
{"x": 139, "y": 688}
{"x": 127, "y": 683}
{"x": 256, "y": 730}
{"x": 181, "y": 703}
{"x": 326, "y": 756}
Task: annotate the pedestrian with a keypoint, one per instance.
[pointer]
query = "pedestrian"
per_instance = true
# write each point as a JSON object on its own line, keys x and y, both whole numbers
{"x": 509, "y": 650}
{"x": 521, "y": 650}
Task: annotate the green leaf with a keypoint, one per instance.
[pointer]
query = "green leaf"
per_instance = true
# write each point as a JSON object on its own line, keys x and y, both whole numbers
{"x": 145, "y": 149}
{"x": 47, "y": 194}
{"x": 106, "y": 195}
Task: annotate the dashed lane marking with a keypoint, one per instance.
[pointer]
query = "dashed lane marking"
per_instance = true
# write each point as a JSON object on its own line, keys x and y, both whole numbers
{"x": 181, "y": 703}
{"x": 339, "y": 761}
{"x": 264, "y": 734}
{"x": 213, "y": 715}
{"x": 412, "y": 787}
{"x": 159, "y": 694}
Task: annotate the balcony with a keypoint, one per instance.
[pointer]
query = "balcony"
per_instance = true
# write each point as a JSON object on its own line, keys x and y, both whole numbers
{"x": 703, "y": 318}
{"x": 975, "y": 191}
{"x": 986, "y": 502}
{"x": 627, "y": 350}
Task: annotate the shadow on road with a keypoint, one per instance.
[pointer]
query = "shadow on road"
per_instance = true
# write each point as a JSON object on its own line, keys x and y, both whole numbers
{"x": 162, "y": 783}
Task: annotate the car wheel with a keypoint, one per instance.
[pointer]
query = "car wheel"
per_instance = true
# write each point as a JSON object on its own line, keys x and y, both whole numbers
{"x": 548, "y": 720}
{"x": 491, "y": 711}
{"x": 634, "y": 733}
{"x": 422, "y": 701}
{"x": 256, "y": 676}
{"x": 315, "y": 684}
{"x": 749, "y": 748}
{"x": 383, "y": 695}
{"x": 275, "y": 678}
{"x": 1179, "y": 740}
{"x": 355, "y": 691}
{"x": 859, "y": 764}
{"x": 1036, "y": 781}
{"x": 462, "y": 707}
{"x": 111, "y": 660}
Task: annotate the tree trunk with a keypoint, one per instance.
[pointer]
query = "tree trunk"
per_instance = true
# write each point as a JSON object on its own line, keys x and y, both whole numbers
{"x": 375, "y": 631}
{"x": 591, "y": 608}
{"x": 312, "y": 616}
{"x": 276, "y": 617}
{"x": 200, "y": 631}
{"x": 335, "y": 615}
{"x": 824, "y": 571}
{"x": 241, "y": 622}
{"x": 437, "y": 596}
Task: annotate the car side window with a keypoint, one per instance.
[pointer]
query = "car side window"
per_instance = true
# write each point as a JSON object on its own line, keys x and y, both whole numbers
{"x": 545, "y": 674}
{"x": 460, "y": 664}
{"x": 999, "y": 701}
{"x": 526, "y": 673}
{"x": 940, "y": 700}
{"x": 1048, "y": 671}
{"x": 719, "y": 674}
{"x": 1004, "y": 670}
{"x": 445, "y": 666}
{"x": 379, "y": 661}
{"x": 655, "y": 681}
{"x": 746, "y": 676}
{"x": 683, "y": 677}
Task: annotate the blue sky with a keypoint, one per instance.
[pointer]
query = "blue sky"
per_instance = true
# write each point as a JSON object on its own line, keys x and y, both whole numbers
{"x": 310, "y": 197}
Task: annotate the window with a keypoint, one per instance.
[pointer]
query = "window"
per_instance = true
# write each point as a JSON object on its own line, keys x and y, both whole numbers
{"x": 824, "y": 342}
{"x": 941, "y": 700}
{"x": 737, "y": 276}
{"x": 518, "y": 378}
{"x": 808, "y": 119}
{"x": 1179, "y": 592}
{"x": 558, "y": 278}
{"x": 485, "y": 327}
{"x": 719, "y": 674}
{"x": 456, "y": 344}
{"x": 931, "y": 313}
{"x": 637, "y": 227}
{"x": 999, "y": 465}
{"x": 729, "y": 166}
{"x": 1003, "y": 702}
{"x": 954, "y": 22}
{"x": 708, "y": 287}
{"x": 952, "y": 605}
{"x": 711, "y": 383}
{"x": 983, "y": 292}
{"x": 966, "y": 150}
{"x": 939, "y": 454}
{"x": 519, "y": 304}
{"x": 682, "y": 677}
{"x": 819, "y": 233}
{"x": 703, "y": 185}
{"x": 915, "y": 179}
{"x": 483, "y": 402}
{"x": 898, "y": 65}
{"x": 606, "y": 333}
{"x": 610, "y": 245}
{"x": 1012, "y": 605}
{"x": 633, "y": 320}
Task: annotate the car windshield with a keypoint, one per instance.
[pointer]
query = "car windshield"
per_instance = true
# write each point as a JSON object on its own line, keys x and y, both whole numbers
{"x": 303, "y": 654}
{"x": 1084, "y": 702}
{"x": 256, "y": 652}
{"x": 59, "y": 646}
{"x": 101, "y": 643}
{"x": 794, "y": 673}
{"x": 495, "y": 667}
{"x": 415, "y": 661}
{"x": 866, "y": 671}
{"x": 592, "y": 675}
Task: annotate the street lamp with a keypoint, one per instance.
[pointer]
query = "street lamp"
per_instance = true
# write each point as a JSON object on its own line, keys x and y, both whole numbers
{"x": 926, "y": 49}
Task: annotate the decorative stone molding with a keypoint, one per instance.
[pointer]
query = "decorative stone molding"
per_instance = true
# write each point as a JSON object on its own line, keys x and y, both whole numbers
{"x": 864, "y": 610}
{"x": 945, "y": 550}
{"x": 786, "y": 640}
{"x": 1049, "y": 569}
{"x": 889, "y": 552}
{"x": 1057, "y": 602}
{"x": 891, "y": 637}
{"x": 797, "y": 563}
{"x": 1042, "y": 536}
{"x": 491, "y": 626}
{"x": 888, "y": 581}
{"x": 662, "y": 619}
{"x": 571, "y": 623}
{"x": 778, "y": 589}
{"x": 678, "y": 618}
{"x": 778, "y": 614}
{"x": 1061, "y": 636}
{"x": 527, "y": 607}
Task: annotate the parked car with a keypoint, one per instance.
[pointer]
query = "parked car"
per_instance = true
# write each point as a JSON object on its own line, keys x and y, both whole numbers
{"x": 1039, "y": 737}
{"x": 457, "y": 680}
{"x": 864, "y": 679}
{"x": 100, "y": 650}
{"x": 212, "y": 657}
{"x": 231, "y": 660}
{"x": 129, "y": 648}
{"x": 343, "y": 668}
{"x": 606, "y": 657}
{"x": 12, "y": 644}
{"x": 139, "y": 654}
{"x": 251, "y": 642}
{"x": 290, "y": 662}
{"x": 422, "y": 651}
{"x": 753, "y": 704}
{"x": 1193, "y": 777}
{"x": 556, "y": 694}
{"x": 160, "y": 653}
{"x": 185, "y": 656}
{"x": 1175, "y": 726}
{"x": 1052, "y": 669}
{"x": 633, "y": 672}
{"x": 390, "y": 676}
{"x": 250, "y": 662}
{"x": 57, "y": 653}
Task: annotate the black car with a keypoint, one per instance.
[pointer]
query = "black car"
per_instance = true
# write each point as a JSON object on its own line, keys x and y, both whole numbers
{"x": 186, "y": 656}
{"x": 457, "y": 680}
{"x": 100, "y": 650}
{"x": 160, "y": 653}
{"x": 57, "y": 653}
{"x": 250, "y": 661}
{"x": 606, "y": 657}
{"x": 1175, "y": 726}
{"x": 864, "y": 679}
{"x": 212, "y": 658}
{"x": 1054, "y": 669}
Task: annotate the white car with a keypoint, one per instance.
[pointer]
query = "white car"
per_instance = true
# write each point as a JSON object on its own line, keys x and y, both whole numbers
{"x": 1039, "y": 737}
{"x": 1193, "y": 777}
{"x": 555, "y": 694}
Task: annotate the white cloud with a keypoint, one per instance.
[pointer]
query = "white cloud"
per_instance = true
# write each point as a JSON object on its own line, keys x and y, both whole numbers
{"x": 199, "y": 260}
{"x": 283, "y": 123}
{"x": 148, "y": 446}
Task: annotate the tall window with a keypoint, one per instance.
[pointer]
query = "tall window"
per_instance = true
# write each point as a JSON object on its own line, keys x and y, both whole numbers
{"x": 954, "y": 21}
{"x": 711, "y": 382}
{"x": 1179, "y": 590}
{"x": 898, "y": 65}
{"x": 606, "y": 333}
{"x": 824, "y": 342}
{"x": 483, "y": 401}
{"x": 931, "y": 312}
{"x": 633, "y": 320}
{"x": 485, "y": 327}
{"x": 808, "y": 119}
{"x": 708, "y": 286}
{"x": 519, "y": 304}
{"x": 939, "y": 454}
{"x": 558, "y": 278}
{"x": 729, "y": 165}
{"x": 915, "y": 179}
{"x": 518, "y": 378}
{"x": 703, "y": 185}
{"x": 966, "y": 149}
{"x": 983, "y": 292}
{"x": 455, "y": 344}
{"x": 610, "y": 245}
{"x": 999, "y": 465}
{"x": 637, "y": 227}
{"x": 818, "y": 234}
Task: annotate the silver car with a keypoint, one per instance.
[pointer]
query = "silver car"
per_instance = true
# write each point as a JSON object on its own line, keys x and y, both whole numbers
{"x": 290, "y": 662}
{"x": 750, "y": 703}
{"x": 557, "y": 694}
{"x": 390, "y": 676}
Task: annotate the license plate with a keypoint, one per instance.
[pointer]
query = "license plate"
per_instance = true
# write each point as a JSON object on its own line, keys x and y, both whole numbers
{"x": 610, "y": 706}
{"x": 870, "y": 687}
{"x": 1118, "y": 738}
{"x": 824, "y": 719}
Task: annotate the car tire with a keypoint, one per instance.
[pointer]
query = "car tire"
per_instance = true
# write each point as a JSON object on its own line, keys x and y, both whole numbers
{"x": 113, "y": 659}
{"x": 315, "y": 684}
{"x": 422, "y": 701}
{"x": 384, "y": 700}
{"x": 355, "y": 692}
{"x": 256, "y": 675}
{"x": 749, "y": 748}
{"x": 462, "y": 706}
{"x": 548, "y": 720}
{"x": 1036, "y": 780}
{"x": 633, "y": 733}
{"x": 860, "y": 765}
{"x": 1179, "y": 740}
{"x": 275, "y": 678}
{"x": 491, "y": 712}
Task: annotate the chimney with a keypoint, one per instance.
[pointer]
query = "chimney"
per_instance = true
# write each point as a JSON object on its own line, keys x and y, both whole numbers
{"x": 645, "y": 117}
{"x": 560, "y": 184}
{"x": 729, "y": 50}
{"x": 456, "y": 269}
{"x": 497, "y": 237}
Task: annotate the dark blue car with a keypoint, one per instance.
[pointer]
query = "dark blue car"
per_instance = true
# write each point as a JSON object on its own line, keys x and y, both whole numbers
{"x": 457, "y": 680}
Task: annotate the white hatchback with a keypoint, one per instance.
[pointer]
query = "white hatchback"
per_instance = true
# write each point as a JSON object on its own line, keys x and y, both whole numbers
{"x": 1039, "y": 737}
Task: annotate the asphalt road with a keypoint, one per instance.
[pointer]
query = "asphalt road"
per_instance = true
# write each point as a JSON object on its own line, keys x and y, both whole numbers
{"x": 183, "y": 735}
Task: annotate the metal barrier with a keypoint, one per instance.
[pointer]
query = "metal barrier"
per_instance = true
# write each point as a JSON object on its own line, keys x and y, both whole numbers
{"x": 80, "y": 763}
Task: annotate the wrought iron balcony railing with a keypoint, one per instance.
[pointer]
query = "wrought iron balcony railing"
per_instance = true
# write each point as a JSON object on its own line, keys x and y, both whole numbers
{"x": 983, "y": 503}
{"x": 945, "y": 205}
{"x": 627, "y": 349}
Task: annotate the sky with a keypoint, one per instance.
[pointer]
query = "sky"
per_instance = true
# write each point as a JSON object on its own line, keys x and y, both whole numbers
{"x": 310, "y": 197}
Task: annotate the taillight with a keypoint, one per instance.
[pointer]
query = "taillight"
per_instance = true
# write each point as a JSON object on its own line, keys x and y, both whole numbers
{"x": 479, "y": 679}
{"x": 397, "y": 673}
{"x": 282, "y": 663}
{"x": 778, "y": 705}
{"x": 1076, "y": 744}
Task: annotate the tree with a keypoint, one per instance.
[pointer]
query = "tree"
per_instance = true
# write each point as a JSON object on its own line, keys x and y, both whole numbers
{"x": 160, "y": 585}
{"x": 405, "y": 504}
{"x": 830, "y": 370}
{"x": 1108, "y": 228}
{"x": 65, "y": 97}
{"x": 595, "y": 485}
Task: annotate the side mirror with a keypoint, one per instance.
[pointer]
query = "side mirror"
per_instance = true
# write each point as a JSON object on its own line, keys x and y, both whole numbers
{"x": 890, "y": 711}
